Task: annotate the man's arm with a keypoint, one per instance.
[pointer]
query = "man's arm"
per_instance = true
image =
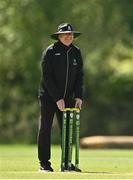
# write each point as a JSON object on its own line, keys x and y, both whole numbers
{"x": 47, "y": 76}
{"x": 78, "y": 90}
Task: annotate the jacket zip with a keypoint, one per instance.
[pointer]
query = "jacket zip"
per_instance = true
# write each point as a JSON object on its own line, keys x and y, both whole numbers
{"x": 67, "y": 73}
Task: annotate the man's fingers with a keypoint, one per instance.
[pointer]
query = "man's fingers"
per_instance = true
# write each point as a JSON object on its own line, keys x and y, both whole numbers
{"x": 61, "y": 104}
{"x": 78, "y": 103}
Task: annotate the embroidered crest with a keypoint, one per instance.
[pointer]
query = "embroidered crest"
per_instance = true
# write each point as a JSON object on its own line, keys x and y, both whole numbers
{"x": 74, "y": 62}
{"x": 69, "y": 28}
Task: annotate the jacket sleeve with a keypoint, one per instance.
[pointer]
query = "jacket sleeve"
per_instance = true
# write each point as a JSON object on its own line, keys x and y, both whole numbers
{"x": 78, "y": 89}
{"x": 48, "y": 77}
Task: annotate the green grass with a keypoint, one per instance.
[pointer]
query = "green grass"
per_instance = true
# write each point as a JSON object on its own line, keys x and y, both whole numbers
{"x": 20, "y": 162}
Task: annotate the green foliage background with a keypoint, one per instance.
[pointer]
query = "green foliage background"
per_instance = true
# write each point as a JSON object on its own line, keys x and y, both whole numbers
{"x": 106, "y": 44}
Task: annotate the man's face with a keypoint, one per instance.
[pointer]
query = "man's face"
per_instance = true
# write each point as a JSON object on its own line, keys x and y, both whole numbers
{"x": 66, "y": 38}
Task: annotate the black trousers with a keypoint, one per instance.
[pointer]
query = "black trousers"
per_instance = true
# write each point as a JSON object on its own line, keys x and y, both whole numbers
{"x": 47, "y": 110}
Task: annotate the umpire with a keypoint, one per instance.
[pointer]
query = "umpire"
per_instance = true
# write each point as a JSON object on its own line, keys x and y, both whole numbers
{"x": 60, "y": 87}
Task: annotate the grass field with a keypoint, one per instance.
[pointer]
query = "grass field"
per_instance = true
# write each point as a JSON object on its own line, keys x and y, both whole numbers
{"x": 20, "y": 162}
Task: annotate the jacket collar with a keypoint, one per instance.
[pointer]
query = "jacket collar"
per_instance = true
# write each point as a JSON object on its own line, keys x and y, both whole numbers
{"x": 63, "y": 46}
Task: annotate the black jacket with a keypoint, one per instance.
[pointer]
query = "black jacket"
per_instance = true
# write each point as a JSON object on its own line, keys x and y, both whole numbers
{"x": 62, "y": 72}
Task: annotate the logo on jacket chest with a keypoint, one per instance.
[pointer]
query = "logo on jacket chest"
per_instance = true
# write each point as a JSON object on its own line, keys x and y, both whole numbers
{"x": 75, "y": 62}
{"x": 57, "y": 54}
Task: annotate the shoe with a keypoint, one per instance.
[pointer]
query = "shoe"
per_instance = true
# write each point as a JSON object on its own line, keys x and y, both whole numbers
{"x": 46, "y": 167}
{"x": 73, "y": 168}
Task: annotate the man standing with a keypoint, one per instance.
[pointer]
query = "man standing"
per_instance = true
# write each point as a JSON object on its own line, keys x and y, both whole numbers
{"x": 61, "y": 87}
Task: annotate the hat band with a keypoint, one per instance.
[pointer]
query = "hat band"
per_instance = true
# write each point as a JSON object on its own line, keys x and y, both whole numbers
{"x": 61, "y": 32}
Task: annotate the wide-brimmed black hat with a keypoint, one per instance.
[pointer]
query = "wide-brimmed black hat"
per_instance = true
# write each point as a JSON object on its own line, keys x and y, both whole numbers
{"x": 65, "y": 28}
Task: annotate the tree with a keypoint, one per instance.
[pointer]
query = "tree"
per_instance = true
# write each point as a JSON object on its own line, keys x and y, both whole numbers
{"x": 106, "y": 44}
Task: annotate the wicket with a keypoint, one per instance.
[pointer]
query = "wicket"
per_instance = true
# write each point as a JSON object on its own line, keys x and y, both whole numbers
{"x": 71, "y": 117}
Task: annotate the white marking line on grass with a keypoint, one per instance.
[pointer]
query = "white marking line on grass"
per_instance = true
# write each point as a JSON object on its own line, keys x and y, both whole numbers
{"x": 68, "y": 173}
{"x": 83, "y": 173}
{"x": 49, "y": 179}
{"x": 59, "y": 179}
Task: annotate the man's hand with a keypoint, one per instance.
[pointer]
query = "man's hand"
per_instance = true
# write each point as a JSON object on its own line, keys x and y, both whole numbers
{"x": 78, "y": 103}
{"x": 61, "y": 104}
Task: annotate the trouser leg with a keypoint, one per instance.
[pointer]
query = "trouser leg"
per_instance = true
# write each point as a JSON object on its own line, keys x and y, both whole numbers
{"x": 47, "y": 110}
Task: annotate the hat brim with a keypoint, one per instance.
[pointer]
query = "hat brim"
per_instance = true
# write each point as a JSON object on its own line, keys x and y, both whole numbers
{"x": 55, "y": 35}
